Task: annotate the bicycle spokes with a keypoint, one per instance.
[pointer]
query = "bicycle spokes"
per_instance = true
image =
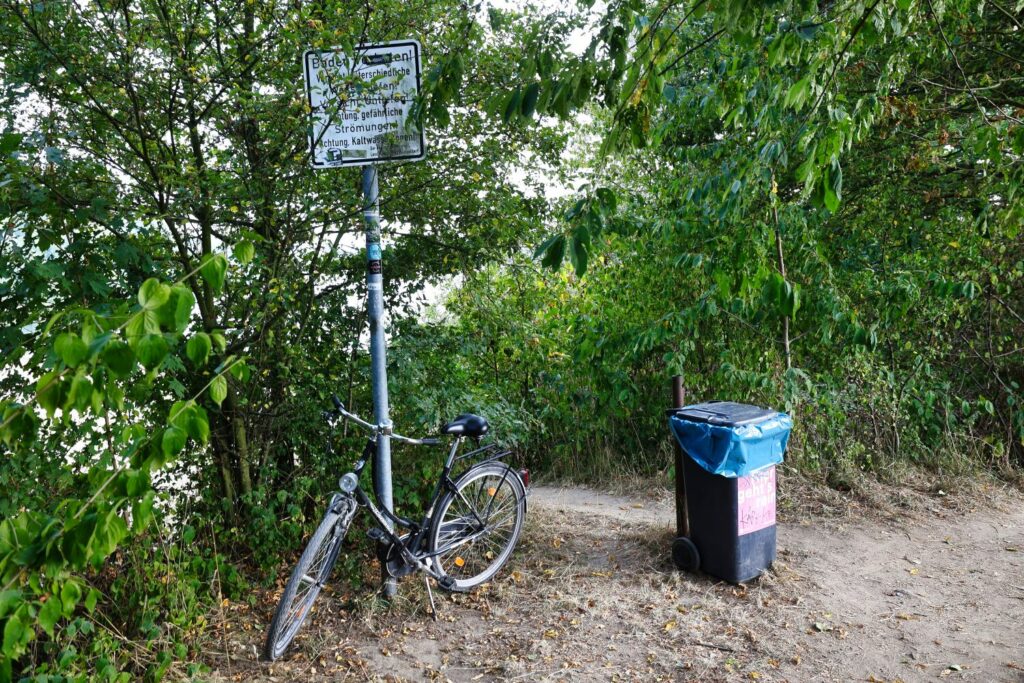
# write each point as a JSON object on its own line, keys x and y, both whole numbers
{"x": 478, "y": 526}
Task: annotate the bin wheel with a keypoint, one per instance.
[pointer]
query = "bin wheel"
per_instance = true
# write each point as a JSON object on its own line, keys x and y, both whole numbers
{"x": 685, "y": 555}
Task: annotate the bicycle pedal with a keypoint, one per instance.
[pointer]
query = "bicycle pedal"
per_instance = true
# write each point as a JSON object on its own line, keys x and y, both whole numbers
{"x": 446, "y": 582}
{"x": 376, "y": 534}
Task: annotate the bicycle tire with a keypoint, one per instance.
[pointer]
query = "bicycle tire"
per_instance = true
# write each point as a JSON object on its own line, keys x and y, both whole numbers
{"x": 312, "y": 569}
{"x": 496, "y": 494}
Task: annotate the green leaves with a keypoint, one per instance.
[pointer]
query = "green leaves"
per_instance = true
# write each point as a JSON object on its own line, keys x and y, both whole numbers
{"x": 213, "y": 269}
{"x": 244, "y": 251}
{"x": 219, "y": 342}
{"x": 832, "y": 186}
{"x": 219, "y": 389}
{"x": 17, "y": 634}
{"x": 9, "y": 600}
{"x": 172, "y": 441}
{"x": 49, "y": 614}
{"x": 175, "y": 314}
{"x": 50, "y": 392}
{"x": 153, "y": 294}
{"x": 71, "y": 349}
{"x": 152, "y": 349}
{"x": 191, "y": 418}
{"x": 71, "y": 592}
{"x": 578, "y": 253}
{"x": 590, "y": 216}
{"x": 81, "y": 393}
{"x": 512, "y": 105}
{"x": 140, "y": 324}
{"x": 198, "y": 348}
{"x": 529, "y": 103}
{"x": 142, "y": 515}
{"x": 551, "y": 252}
{"x": 781, "y": 297}
{"x": 18, "y": 423}
{"x": 119, "y": 357}
{"x": 798, "y": 93}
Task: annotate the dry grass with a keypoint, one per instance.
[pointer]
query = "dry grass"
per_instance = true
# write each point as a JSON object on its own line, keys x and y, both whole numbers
{"x": 583, "y": 599}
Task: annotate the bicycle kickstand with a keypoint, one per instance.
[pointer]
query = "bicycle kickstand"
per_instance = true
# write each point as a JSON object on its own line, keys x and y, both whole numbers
{"x": 430, "y": 594}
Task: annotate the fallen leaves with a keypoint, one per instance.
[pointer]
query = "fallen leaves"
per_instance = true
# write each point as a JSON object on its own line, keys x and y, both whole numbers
{"x": 951, "y": 669}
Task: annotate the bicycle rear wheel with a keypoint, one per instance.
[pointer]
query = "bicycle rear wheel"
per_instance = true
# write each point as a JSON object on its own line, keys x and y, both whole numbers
{"x": 309, "y": 576}
{"x": 476, "y": 527}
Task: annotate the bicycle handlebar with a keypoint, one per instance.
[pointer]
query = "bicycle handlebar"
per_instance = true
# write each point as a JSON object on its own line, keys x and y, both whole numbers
{"x": 339, "y": 409}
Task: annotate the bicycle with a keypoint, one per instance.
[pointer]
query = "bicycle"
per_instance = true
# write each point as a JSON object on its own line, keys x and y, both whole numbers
{"x": 466, "y": 535}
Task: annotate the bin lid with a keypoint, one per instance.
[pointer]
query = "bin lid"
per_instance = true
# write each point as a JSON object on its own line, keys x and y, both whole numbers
{"x": 724, "y": 413}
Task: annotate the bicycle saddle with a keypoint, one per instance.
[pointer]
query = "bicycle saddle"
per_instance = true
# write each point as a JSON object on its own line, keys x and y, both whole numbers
{"x": 467, "y": 424}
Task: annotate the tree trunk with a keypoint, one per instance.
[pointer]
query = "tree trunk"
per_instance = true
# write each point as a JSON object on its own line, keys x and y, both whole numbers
{"x": 227, "y": 479}
{"x": 782, "y": 271}
{"x": 241, "y": 441}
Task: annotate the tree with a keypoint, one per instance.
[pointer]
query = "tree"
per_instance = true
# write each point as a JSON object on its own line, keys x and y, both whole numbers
{"x": 165, "y": 142}
{"x": 730, "y": 132}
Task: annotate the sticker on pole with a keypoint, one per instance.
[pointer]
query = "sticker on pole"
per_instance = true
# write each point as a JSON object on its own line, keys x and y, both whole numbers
{"x": 360, "y": 104}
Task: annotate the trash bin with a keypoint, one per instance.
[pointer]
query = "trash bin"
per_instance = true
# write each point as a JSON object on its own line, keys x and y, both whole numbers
{"x": 729, "y": 475}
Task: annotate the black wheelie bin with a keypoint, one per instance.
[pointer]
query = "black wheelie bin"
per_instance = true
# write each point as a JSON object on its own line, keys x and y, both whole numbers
{"x": 731, "y": 450}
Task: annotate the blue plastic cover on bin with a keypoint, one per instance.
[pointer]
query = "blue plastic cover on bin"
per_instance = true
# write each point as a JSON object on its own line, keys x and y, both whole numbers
{"x": 731, "y": 448}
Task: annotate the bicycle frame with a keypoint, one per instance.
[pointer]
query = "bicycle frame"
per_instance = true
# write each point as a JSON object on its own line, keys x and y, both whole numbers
{"x": 388, "y": 522}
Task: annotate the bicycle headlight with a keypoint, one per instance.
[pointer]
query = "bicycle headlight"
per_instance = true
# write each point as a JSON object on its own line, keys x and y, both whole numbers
{"x": 348, "y": 483}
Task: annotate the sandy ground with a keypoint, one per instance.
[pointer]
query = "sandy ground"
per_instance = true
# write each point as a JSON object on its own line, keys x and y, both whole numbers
{"x": 935, "y": 591}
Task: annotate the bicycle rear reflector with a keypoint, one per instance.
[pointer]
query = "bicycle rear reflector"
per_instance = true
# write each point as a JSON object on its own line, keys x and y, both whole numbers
{"x": 524, "y": 474}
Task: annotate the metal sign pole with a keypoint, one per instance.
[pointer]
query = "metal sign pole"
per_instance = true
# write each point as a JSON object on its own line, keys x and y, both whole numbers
{"x": 378, "y": 348}
{"x": 364, "y": 127}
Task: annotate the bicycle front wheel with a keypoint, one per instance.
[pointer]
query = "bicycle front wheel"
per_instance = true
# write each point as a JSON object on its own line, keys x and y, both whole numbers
{"x": 308, "y": 577}
{"x": 477, "y": 525}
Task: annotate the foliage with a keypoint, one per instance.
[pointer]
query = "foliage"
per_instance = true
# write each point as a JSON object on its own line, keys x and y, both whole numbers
{"x": 897, "y": 291}
{"x": 102, "y": 365}
{"x": 809, "y": 205}
{"x": 148, "y": 142}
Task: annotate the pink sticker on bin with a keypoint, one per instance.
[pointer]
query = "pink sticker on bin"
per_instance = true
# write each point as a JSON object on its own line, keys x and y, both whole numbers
{"x": 756, "y": 501}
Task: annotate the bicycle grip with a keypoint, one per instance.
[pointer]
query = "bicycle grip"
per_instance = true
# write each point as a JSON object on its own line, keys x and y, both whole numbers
{"x": 431, "y": 442}
{"x": 337, "y": 403}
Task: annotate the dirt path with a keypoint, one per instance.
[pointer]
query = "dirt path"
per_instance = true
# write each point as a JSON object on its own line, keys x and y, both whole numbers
{"x": 591, "y": 595}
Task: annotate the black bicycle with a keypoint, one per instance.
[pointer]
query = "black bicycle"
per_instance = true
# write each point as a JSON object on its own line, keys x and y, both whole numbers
{"x": 466, "y": 535}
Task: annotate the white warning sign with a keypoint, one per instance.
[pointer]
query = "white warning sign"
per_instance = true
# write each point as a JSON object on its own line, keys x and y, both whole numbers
{"x": 360, "y": 104}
